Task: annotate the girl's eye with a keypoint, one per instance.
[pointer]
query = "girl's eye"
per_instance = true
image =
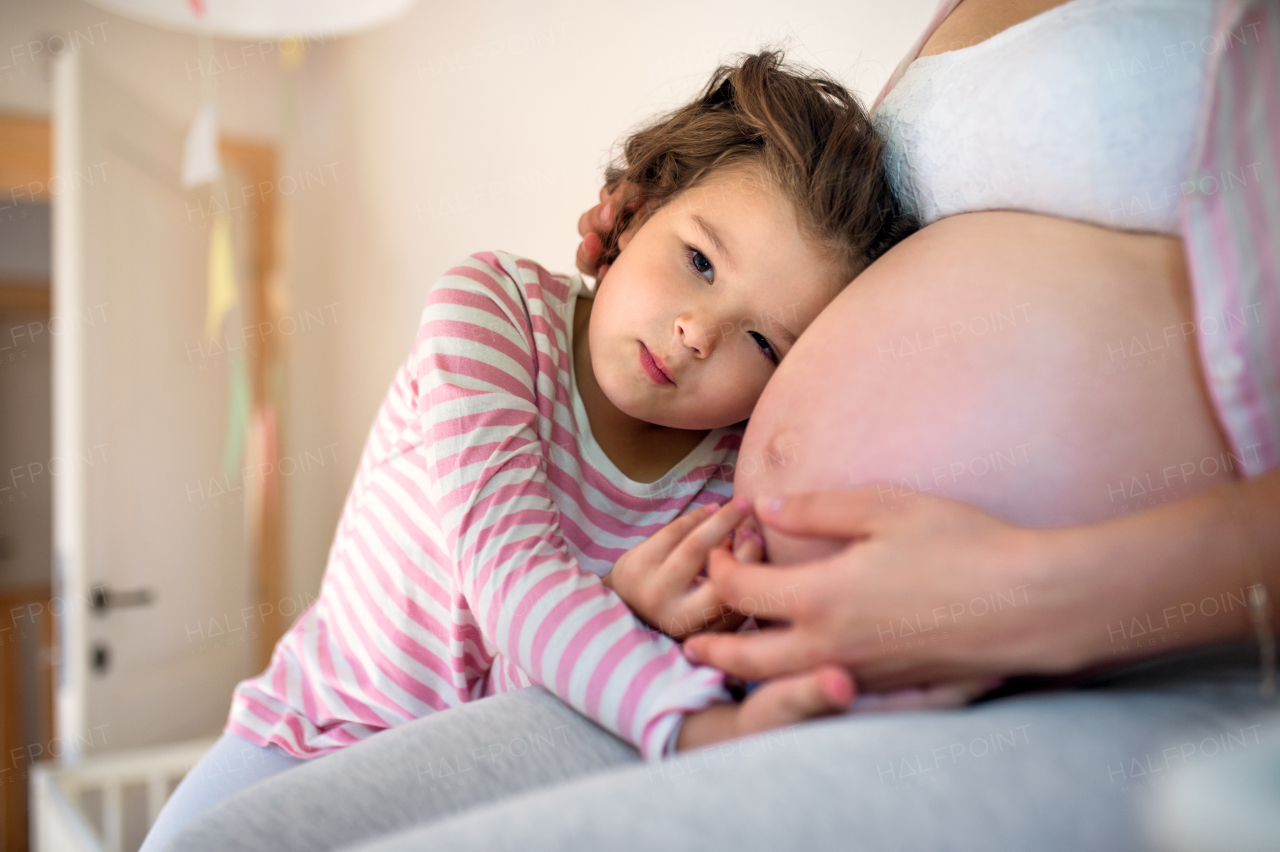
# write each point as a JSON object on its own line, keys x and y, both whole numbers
{"x": 765, "y": 346}
{"x": 701, "y": 265}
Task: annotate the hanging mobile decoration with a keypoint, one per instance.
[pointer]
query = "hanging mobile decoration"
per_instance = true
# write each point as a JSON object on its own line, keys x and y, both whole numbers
{"x": 201, "y": 164}
{"x": 251, "y": 451}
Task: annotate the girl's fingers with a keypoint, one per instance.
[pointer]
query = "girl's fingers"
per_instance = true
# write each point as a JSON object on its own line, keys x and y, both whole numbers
{"x": 749, "y": 524}
{"x": 700, "y": 609}
{"x": 726, "y": 546}
{"x": 665, "y": 540}
{"x": 691, "y": 554}
{"x": 748, "y": 547}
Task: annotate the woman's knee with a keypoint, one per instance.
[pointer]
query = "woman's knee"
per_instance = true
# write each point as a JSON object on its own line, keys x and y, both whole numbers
{"x": 414, "y": 774}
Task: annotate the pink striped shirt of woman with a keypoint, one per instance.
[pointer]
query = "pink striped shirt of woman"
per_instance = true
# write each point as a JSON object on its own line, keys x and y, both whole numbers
{"x": 538, "y": 432}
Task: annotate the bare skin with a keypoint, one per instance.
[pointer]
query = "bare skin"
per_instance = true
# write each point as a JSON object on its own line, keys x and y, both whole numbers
{"x": 1049, "y": 421}
{"x": 978, "y": 20}
{"x": 991, "y": 358}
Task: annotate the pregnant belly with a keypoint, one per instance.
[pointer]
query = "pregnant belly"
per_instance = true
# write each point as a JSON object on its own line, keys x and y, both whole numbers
{"x": 1042, "y": 369}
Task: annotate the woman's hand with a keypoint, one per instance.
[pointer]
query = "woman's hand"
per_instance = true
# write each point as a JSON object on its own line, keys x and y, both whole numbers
{"x": 597, "y": 221}
{"x": 784, "y": 701}
{"x": 929, "y": 592}
{"x": 658, "y": 578}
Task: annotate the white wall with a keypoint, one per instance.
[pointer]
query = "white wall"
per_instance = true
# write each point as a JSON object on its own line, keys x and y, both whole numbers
{"x": 461, "y": 127}
{"x": 487, "y": 125}
{"x": 166, "y": 71}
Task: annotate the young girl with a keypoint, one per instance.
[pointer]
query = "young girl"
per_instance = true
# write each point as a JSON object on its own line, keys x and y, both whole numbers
{"x": 539, "y": 434}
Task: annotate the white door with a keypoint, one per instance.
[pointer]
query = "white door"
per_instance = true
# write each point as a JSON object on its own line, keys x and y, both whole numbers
{"x": 152, "y": 576}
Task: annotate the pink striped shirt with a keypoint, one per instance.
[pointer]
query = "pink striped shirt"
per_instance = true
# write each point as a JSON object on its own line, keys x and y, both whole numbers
{"x": 468, "y": 556}
{"x": 1230, "y": 221}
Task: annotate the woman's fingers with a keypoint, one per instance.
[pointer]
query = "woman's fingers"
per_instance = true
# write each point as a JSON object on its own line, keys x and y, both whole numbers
{"x": 829, "y": 514}
{"x": 622, "y": 195}
{"x": 941, "y": 696}
{"x": 898, "y": 674}
{"x": 596, "y": 222}
{"x": 598, "y": 219}
{"x": 754, "y": 656}
{"x": 592, "y": 226}
{"x": 589, "y": 251}
{"x": 766, "y": 591}
{"x": 797, "y": 698}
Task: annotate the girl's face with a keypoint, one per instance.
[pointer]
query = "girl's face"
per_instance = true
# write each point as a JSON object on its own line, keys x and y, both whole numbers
{"x": 691, "y": 320}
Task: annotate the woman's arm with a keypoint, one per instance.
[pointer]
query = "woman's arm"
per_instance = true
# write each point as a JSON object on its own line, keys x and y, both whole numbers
{"x": 934, "y": 591}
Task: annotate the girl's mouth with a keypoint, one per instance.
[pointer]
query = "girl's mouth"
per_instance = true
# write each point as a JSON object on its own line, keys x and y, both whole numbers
{"x": 653, "y": 368}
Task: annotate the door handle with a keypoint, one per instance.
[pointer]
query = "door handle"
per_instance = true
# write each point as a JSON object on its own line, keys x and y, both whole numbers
{"x": 103, "y": 598}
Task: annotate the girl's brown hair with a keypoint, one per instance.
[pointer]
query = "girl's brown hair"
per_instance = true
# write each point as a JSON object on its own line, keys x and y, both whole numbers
{"x": 808, "y": 136}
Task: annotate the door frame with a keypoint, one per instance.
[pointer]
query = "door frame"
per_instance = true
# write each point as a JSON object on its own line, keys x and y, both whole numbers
{"x": 24, "y": 167}
{"x": 26, "y": 174}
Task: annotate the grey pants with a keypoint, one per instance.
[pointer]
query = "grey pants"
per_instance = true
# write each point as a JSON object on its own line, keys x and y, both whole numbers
{"x": 1060, "y": 769}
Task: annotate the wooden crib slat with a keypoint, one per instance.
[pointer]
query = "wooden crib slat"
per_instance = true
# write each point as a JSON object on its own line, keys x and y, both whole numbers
{"x": 112, "y": 819}
{"x": 157, "y": 787}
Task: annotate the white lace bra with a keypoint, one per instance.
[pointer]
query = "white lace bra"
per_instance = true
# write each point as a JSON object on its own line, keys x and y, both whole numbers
{"x": 1086, "y": 111}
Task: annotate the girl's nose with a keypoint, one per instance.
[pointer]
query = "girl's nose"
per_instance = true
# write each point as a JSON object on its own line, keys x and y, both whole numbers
{"x": 695, "y": 336}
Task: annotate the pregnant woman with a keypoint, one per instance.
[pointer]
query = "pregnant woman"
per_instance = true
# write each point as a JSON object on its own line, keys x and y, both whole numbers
{"x": 1081, "y": 345}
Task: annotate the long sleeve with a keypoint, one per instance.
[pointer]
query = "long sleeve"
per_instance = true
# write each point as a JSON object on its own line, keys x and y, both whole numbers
{"x": 1231, "y": 230}
{"x": 489, "y": 374}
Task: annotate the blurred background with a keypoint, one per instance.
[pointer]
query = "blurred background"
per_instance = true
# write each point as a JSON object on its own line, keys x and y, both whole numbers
{"x": 218, "y": 223}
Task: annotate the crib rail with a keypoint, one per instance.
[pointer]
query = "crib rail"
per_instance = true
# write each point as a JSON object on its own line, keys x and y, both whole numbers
{"x": 106, "y": 802}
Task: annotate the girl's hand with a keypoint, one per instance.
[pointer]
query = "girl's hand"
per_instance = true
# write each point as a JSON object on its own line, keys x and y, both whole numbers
{"x": 596, "y": 222}
{"x": 658, "y": 578}
{"x": 748, "y": 544}
{"x": 929, "y": 592}
{"x": 785, "y": 701}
